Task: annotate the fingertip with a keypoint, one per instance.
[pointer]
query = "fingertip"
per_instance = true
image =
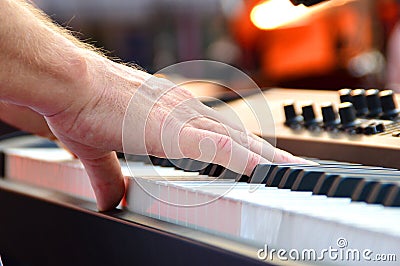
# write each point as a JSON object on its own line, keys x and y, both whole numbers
{"x": 106, "y": 179}
{"x": 282, "y": 156}
{"x": 111, "y": 199}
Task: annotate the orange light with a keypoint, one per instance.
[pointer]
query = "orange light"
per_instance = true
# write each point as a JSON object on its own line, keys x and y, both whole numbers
{"x": 276, "y": 13}
{"x": 273, "y": 14}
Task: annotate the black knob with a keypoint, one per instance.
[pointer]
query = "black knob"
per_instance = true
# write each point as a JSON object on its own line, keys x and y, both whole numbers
{"x": 373, "y": 128}
{"x": 345, "y": 95}
{"x": 329, "y": 116}
{"x": 309, "y": 115}
{"x": 347, "y": 115}
{"x": 389, "y": 108}
{"x": 292, "y": 119}
{"x": 373, "y": 102}
{"x": 359, "y": 102}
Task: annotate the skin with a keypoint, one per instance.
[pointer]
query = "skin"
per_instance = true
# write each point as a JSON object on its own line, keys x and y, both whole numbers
{"x": 55, "y": 86}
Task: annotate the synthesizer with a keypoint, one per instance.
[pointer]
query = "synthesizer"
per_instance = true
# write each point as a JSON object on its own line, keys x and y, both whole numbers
{"x": 313, "y": 128}
{"x": 349, "y": 202}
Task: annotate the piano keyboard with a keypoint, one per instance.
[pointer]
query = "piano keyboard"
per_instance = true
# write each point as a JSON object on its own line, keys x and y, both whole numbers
{"x": 286, "y": 206}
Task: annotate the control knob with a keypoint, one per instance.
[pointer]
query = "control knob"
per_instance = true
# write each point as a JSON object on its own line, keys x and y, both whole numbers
{"x": 359, "y": 102}
{"x": 373, "y": 102}
{"x": 345, "y": 95}
{"x": 329, "y": 116}
{"x": 389, "y": 108}
{"x": 292, "y": 119}
{"x": 347, "y": 115}
{"x": 309, "y": 115}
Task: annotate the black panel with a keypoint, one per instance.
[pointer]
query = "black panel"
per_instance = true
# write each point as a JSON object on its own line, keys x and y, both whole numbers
{"x": 38, "y": 232}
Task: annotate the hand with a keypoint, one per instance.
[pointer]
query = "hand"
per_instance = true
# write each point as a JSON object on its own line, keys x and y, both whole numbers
{"x": 162, "y": 120}
{"x": 86, "y": 100}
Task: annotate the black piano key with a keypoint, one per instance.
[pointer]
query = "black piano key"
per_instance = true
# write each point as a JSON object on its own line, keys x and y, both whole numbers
{"x": 260, "y": 173}
{"x": 310, "y": 176}
{"x": 181, "y": 164}
{"x": 307, "y": 180}
{"x": 352, "y": 169}
{"x": 276, "y": 175}
{"x": 285, "y": 176}
{"x": 370, "y": 188}
{"x": 393, "y": 198}
{"x": 270, "y": 174}
{"x": 216, "y": 170}
{"x": 269, "y": 179}
{"x": 379, "y": 193}
{"x": 166, "y": 163}
{"x": 156, "y": 160}
{"x": 383, "y": 193}
{"x": 228, "y": 174}
{"x": 324, "y": 184}
{"x": 363, "y": 190}
{"x": 242, "y": 178}
{"x": 206, "y": 170}
{"x": 368, "y": 185}
{"x": 195, "y": 165}
{"x": 344, "y": 186}
{"x": 361, "y": 173}
{"x": 186, "y": 164}
{"x": 289, "y": 178}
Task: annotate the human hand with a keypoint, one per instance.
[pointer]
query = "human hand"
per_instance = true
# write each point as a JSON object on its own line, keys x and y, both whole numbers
{"x": 163, "y": 120}
{"x": 86, "y": 102}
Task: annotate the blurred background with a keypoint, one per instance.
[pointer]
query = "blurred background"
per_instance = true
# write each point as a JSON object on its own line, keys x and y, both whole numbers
{"x": 332, "y": 45}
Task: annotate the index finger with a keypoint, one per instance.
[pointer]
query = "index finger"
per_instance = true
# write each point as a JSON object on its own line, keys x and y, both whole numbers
{"x": 209, "y": 146}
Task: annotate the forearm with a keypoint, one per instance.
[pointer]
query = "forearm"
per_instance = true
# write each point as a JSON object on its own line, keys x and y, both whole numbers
{"x": 87, "y": 103}
{"x": 39, "y": 62}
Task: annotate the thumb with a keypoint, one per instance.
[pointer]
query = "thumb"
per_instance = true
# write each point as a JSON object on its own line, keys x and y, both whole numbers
{"x": 106, "y": 179}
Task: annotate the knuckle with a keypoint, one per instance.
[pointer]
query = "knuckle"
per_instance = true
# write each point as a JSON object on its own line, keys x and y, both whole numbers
{"x": 186, "y": 135}
{"x": 245, "y": 140}
{"x": 224, "y": 144}
{"x": 253, "y": 161}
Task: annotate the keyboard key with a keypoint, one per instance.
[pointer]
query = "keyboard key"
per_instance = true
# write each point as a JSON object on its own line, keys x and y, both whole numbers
{"x": 307, "y": 180}
{"x": 380, "y": 192}
{"x": 344, "y": 186}
{"x": 289, "y": 178}
{"x": 393, "y": 198}
{"x": 325, "y": 183}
